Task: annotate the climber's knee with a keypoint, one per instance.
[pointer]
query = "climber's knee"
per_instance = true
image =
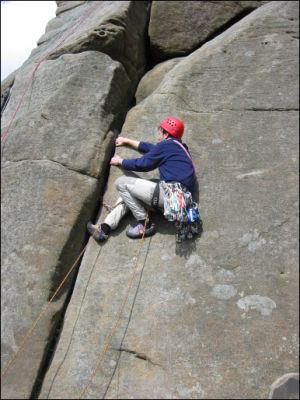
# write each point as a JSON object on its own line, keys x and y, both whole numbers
{"x": 120, "y": 182}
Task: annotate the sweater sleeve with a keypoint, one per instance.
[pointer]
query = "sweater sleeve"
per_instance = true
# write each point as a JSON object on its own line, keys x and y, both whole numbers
{"x": 144, "y": 147}
{"x": 147, "y": 162}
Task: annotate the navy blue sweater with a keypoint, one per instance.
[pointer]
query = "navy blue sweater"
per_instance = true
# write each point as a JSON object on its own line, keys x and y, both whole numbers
{"x": 171, "y": 160}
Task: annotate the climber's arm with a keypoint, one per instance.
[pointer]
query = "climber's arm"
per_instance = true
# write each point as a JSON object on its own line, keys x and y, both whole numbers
{"x": 122, "y": 141}
{"x": 147, "y": 162}
{"x": 143, "y": 147}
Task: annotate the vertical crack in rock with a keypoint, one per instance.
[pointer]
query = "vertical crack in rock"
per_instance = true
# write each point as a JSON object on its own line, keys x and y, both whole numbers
{"x": 59, "y": 318}
{"x": 61, "y": 271}
{"x": 6, "y": 87}
{"x": 107, "y": 40}
{"x": 50, "y": 350}
{"x": 57, "y": 325}
{"x": 5, "y": 99}
{"x": 65, "y": 263}
{"x": 216, "y": 215}
{"x": 149, "y": 61}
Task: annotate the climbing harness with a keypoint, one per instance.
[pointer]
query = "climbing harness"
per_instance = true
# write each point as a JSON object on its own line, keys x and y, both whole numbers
{"x": 155, "y": 197}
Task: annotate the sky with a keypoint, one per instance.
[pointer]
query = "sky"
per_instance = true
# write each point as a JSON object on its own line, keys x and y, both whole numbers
{"x": 22, "y": 24}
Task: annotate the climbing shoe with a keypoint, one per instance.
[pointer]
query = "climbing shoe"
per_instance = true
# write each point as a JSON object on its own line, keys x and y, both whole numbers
{"x": 97, "y": 232}
{"x": 137, "y": 231}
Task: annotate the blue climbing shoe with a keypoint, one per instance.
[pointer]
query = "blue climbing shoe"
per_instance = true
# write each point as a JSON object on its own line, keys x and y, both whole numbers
{"x": 96, "y": 232}
{"x": 137, "y": 232}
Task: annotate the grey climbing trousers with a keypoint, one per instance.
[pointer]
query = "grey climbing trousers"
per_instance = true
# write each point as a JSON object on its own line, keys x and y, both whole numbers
{"x": 133, "y": 192}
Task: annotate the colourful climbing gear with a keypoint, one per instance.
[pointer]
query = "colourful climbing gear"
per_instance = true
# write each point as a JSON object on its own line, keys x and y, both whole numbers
{"x": 180, "y": 208}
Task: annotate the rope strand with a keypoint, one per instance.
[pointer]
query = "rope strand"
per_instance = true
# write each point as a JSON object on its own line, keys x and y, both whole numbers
{"x": 35, "y": 322}
{"x": 29, "y": 333}
{"x": 116, "y": 325}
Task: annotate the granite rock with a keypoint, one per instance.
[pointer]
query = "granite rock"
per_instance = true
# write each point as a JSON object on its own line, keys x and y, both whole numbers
{"x": 154, "y": 77}
{"x": 179, "y": 27}
{"x": 153, "y": 319}
{"x": 57, "y": 136}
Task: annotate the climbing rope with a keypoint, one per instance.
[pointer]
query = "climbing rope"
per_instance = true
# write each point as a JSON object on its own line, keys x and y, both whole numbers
{"x": 69, "y": 33}
{"x": 109, "y": 338}
{"x": 30, "y": 331}
{"x": 3, "y": 139}
{"x": 108, "y": 207}
{"x": 45, "y": 308}
{"x": 116, "y": 325}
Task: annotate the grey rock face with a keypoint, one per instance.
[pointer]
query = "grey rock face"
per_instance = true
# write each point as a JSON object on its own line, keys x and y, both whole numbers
{"x": 42, "y": 233}
{"x": 58, "y": 131}
{"x": 177, "y": 28}
{"x": 52, "y": 156}
{"x": 63, "y": 6}
{"x": 116, "y": 28}
{"x": 67, "y": 119}
{"x": 153, "y": 320}
{"x": 153, "y": 78}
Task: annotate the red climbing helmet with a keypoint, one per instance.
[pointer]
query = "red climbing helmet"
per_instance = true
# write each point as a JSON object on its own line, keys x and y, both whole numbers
{"x": 173, "y": 126}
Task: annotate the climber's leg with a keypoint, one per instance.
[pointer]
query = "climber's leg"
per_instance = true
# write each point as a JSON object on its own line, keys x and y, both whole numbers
{"x": 117, "y": 213}
{"x": 133, "y": 192}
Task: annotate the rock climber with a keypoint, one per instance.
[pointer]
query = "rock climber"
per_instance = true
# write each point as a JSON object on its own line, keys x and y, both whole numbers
{"x": 174, "y": 162}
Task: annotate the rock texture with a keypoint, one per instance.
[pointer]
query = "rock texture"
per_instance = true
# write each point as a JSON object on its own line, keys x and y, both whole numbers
{"x": 52, "y": 123}
{"x": 43, "y": 232}
{"x": 63, "y": 6}
{"x": 116, "y": 28}
{"x": 215, "y": 318}
{"x": 176, "y": 29}
{"x": 153, "y": 78}
{"x": 58, "y": 134}
{"x": 212, "y": 318}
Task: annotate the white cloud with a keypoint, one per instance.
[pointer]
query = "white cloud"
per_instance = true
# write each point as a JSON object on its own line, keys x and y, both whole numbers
{"x": 22, "y": 24}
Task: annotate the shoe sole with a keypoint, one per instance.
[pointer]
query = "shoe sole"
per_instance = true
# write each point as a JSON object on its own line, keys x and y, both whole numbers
{"x": 149, "y": 232}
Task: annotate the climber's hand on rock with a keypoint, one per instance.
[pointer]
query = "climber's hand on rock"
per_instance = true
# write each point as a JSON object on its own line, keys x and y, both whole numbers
{"x": 121, "y": 141}
{"x": 116, "y": 160}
